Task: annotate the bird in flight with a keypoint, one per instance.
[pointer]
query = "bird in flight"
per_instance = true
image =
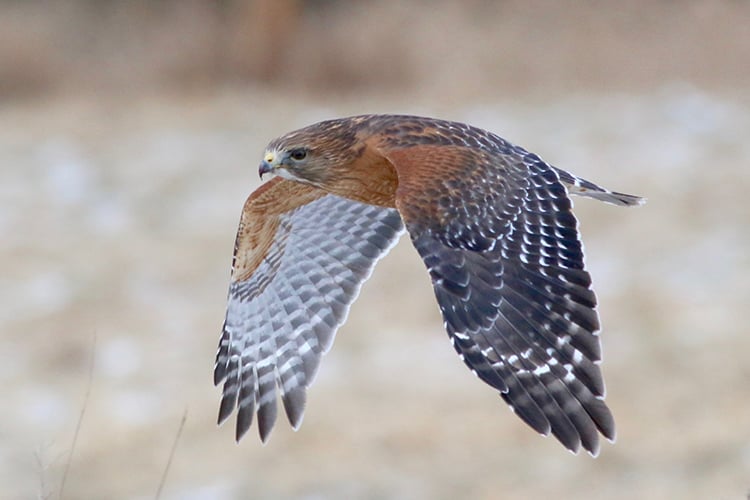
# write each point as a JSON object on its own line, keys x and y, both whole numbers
{"x": 494, "y": 226}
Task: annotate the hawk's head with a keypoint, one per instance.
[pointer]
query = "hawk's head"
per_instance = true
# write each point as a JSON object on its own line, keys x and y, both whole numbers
{"x": 316, "y": 154}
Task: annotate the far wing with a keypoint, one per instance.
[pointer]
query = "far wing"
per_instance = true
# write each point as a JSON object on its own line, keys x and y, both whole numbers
{"x": 301, "y": 256}
{"x": 495, "y": 229}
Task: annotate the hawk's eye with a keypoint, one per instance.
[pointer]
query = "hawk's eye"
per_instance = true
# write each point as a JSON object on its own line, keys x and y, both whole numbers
{"x": 298, "y": 154}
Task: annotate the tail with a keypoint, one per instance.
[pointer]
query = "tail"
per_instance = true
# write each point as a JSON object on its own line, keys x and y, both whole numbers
{"x": 582, "y": 187}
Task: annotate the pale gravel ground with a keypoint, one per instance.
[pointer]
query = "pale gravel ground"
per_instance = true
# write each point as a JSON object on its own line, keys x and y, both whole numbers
{"x": 118, "y": 218}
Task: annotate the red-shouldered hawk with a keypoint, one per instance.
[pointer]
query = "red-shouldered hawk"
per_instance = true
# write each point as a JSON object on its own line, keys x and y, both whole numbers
{"x": 494, "y": 226}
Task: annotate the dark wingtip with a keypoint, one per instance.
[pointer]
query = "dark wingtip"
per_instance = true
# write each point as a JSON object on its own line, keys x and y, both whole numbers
{"x": 225, "y": 408}
{"x": 592, "y": 448}
{"x": 265, "y": 433}
{"x": 294, "y": 406}
{"x": 532, "y": 415}
{"x": 220, "y": 373}
{"x": 266, "y": 419}
{"x": 244, "y": 420}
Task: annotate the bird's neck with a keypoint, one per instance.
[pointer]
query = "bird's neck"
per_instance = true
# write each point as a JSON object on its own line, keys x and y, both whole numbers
{"x": 370, "y": 178}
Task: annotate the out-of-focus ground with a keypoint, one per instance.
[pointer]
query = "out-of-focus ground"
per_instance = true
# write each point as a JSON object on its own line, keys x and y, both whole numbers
{"x": 130, "y": 133}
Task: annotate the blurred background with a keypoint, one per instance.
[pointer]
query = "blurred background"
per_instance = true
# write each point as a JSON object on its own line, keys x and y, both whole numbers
{"x": 130, "y": 134}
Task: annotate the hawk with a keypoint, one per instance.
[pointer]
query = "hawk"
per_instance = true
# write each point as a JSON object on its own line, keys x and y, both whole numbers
{"x": 494, "y": 226}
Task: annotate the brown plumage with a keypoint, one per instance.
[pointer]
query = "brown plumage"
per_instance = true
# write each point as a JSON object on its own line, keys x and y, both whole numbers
{"x": 494, "y": 226}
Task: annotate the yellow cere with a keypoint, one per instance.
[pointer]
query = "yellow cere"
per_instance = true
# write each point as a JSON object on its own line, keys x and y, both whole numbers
{"x": 270, "y": 156}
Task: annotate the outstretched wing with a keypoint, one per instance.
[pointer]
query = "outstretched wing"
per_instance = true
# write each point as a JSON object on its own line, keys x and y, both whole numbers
{"x": 494, "y": 226}
{"x": 300, "y": 258}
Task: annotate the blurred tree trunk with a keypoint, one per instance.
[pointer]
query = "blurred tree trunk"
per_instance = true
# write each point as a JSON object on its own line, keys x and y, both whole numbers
{"x": 261, "y": 34}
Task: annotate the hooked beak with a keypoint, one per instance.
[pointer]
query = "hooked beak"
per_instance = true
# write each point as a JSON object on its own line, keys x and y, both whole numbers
{"x": 264, "y": 168}
{"x": 269, "y": 163}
